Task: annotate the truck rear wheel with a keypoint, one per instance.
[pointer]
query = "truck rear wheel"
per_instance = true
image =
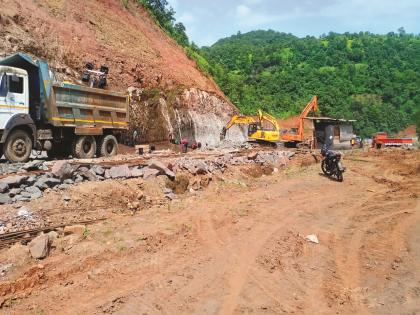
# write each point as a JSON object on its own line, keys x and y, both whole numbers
{"x": 18, "y": 146}
{"x": 84, "y": 147}
{"x": 108, "y": 146}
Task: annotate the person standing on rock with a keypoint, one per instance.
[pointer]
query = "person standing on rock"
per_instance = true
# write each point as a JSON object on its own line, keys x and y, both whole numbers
{"x": 184, "y": 145}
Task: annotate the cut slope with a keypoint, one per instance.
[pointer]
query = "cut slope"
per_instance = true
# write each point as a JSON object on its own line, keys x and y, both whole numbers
{"x": 139, "y": 54}
{"x": 70, "y": 33}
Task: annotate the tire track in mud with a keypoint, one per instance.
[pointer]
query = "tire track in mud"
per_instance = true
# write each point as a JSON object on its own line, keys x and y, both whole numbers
{"x": 245, "y": 260}
{"x": 347, "y": 249}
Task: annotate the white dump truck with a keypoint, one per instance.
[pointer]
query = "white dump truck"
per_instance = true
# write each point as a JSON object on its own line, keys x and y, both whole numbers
{"x": 60, "y": 118}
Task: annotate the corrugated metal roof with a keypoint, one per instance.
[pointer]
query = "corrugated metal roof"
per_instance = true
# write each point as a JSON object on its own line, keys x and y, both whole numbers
{"x": 330, "y": 119}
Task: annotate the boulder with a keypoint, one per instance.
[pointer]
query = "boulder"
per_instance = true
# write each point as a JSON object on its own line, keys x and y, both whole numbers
{"x": 201, "y": 168}
{"x": 119, "y": 172}
{"x": 45, "y": 182}
{"x": 88, "y": 174}
{"x": 137, "y": 172}
{"x": 78, "y": 179}
{"x": 14, "y": 181}
{"x": 22, "y": 197}
{"x": 39, "y": 246}
{"x": 31, "y": 180}
{"x": 33, "y": 165}
{"x": 157, "y": 165}
{"x": 150, "y": 172}
{"x": 5, "y": 199}
{"x": 98, "y": 170}
{"x": 68, "y": 182}
{"x": 35, "y": 192}
{"x": 4, "y": 187}
{"x": 52, "y": 236}
{"x": 14, "y": 191}
{"x": 62, "y": 170}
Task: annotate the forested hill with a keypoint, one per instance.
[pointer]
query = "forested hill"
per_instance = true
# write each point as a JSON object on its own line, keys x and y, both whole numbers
{"x": 374, "y": 79}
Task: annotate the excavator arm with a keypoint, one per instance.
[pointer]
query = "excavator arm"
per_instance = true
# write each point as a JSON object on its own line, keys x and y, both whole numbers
{"x": 311, "y": 106}
{"x": 271, "y": 119}
{"x": 237, "y": 120}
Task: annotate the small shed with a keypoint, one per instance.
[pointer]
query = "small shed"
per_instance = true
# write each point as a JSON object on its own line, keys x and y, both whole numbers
{"x": 338, "y": 131}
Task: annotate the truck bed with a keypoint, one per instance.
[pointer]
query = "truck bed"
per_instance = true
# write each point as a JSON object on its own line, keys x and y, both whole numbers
{"x": 76, "y": 106}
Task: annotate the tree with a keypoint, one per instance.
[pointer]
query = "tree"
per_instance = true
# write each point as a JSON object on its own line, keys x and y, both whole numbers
{"x": 363, "y": 76}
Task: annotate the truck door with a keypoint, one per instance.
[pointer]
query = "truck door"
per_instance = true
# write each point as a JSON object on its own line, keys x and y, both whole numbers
{"x": 4, "y": 107}
{"x": 16, "y": 97}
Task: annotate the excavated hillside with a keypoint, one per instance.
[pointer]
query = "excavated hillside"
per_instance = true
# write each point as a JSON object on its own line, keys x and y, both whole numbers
{"x": 172, "y": 97}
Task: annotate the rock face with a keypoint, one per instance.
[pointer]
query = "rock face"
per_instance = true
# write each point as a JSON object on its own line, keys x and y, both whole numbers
{"x": 195, "y": 115}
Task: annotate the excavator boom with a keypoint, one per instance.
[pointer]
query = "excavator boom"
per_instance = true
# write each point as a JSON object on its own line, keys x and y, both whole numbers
{"x": 256, "y": 130}
{"x": 298, "y": 135}
{"x": 237, "y": 120}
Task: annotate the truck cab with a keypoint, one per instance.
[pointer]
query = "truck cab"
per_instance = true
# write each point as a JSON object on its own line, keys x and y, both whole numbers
{"x": 14, "y": 108}
{"x": 14, "y": 93}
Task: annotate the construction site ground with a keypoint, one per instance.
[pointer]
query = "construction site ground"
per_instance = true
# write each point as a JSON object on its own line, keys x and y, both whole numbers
{"x": 238, "y": 246}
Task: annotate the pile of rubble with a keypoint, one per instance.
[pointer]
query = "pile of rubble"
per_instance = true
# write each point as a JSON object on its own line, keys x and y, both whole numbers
{"x": 220, "y": 163}
{"x": 63, "y": 174}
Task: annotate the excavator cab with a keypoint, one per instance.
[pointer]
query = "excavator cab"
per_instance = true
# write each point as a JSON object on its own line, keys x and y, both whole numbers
{"x": 253, "y": 128}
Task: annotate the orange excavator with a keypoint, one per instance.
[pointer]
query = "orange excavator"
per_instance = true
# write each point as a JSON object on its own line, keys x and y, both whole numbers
{"x": 295, "y": 136}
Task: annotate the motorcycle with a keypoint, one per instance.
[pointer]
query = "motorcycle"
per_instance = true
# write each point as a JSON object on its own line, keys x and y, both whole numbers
{"x": 331, "y": 164}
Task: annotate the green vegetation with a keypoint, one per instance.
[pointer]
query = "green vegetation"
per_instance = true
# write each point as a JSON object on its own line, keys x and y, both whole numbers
{"x": 374, "y": 79}
{"x": 164, "y": 16}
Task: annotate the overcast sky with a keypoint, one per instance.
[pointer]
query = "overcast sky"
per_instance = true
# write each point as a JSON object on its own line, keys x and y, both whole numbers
{"x": 209, "y": 20}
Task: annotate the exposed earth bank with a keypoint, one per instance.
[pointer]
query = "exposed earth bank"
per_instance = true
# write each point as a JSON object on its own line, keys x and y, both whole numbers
{"x": 176, "y": 98}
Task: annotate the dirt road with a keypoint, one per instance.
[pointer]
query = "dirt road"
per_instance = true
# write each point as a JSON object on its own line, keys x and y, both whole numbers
{"x": 239, "y": 248}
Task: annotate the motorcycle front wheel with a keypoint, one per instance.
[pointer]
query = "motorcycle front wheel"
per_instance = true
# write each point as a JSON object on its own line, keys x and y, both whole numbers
{"x": 324, "y": 168}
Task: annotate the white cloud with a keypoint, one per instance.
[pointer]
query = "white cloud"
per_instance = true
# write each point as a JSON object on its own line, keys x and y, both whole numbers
{"x": 242, "y": 11}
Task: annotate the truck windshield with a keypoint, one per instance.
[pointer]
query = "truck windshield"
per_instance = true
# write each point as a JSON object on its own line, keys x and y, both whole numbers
{"x": 3, "y": 88}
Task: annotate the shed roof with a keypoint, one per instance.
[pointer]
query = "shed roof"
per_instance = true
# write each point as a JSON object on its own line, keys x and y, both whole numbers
{"x": 331, "y": 119}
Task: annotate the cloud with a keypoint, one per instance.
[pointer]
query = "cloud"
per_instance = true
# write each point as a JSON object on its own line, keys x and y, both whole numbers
{"x": 242, "y": 11}
{"x": 252, "y": 18}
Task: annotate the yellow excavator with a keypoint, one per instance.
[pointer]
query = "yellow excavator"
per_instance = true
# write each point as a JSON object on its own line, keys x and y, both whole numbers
{"x": 261, "y": 128}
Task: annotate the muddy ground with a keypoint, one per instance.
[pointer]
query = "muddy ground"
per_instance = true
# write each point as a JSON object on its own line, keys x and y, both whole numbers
{"x": 238, "y": 246}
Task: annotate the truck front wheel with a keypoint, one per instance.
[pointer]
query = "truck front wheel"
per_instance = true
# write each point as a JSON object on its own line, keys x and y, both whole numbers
{"x": 18, "y": 146}
{"x": 108, "y": 146}
{"x": 84, "y": 147}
